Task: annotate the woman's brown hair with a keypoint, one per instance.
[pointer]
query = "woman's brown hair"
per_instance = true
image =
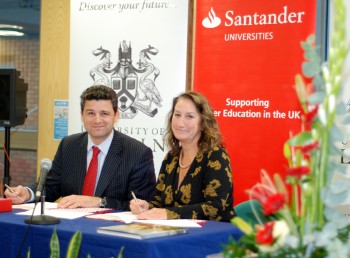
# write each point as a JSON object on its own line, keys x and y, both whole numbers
{"x": 211, "y": 135}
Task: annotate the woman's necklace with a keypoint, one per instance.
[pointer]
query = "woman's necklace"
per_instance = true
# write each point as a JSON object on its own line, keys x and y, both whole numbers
{"x": 180, "y": 163}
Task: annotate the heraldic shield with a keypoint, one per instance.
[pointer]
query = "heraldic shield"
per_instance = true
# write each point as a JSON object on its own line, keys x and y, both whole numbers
{"x": 126, "y": 88}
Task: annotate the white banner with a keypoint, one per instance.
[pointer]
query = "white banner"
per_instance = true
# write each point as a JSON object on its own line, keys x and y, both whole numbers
{"x": 137, "y": 47}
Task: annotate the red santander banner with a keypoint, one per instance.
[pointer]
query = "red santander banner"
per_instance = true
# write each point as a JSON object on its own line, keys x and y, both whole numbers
{"x": 247, "y": 53}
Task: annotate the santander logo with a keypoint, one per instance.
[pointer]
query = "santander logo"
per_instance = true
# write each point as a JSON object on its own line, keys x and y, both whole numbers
{"x": 284, "y": 16}
{"x": 212, "y": 21}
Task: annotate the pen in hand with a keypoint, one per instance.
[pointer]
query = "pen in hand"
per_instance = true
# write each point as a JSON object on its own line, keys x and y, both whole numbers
{"x": 12, "y": 191}
{"x": 137, "y": 202}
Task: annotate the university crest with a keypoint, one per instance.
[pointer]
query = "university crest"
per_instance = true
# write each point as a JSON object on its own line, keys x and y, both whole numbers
{"x": 135, "y": 86}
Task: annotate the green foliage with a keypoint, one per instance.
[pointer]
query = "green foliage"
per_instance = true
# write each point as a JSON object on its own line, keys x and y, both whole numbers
{"x": 302, "y": 138}
{"x": 311, "y": 225}
{"x": 54, "y": 245}
{"x": 120, "y": 255}
{"x": 74, "y": 245}
{"x": 73, "y": 248}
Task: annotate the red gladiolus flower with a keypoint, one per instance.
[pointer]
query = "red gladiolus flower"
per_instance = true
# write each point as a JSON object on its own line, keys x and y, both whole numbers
{"x": 273, "y": 203}
{"x": 309, "y": 147}
{"x": 298, "y": 172}
{"x": 264, "y": 236}
{"x": 309, "y": 116}
{"x": 259, "y": 193}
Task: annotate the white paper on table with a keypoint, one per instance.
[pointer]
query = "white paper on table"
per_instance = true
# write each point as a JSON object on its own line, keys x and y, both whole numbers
{"x": 185, "y": 223}
{"x": 128, "y": 217}
{"x": 30, "y": 206}
{"x": 52, "y": 210}
{"x": 57, "y": 213}
{"x": 125, "y": 216}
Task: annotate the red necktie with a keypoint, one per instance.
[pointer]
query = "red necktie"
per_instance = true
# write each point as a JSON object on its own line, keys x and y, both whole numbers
{"x": 90, "y": 178}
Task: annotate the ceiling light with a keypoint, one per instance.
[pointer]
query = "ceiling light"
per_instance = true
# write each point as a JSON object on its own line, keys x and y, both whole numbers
{"x": 11, "y": 33}
{"x": 8, "y": 30}
{"x": 10, "y": 26}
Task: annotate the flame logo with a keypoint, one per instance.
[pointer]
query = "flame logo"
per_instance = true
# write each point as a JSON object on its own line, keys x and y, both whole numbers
{"x": 212, "y": 21}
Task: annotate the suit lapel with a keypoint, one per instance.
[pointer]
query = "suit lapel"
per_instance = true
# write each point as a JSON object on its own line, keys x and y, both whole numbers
{"x": 81, "y": 157}
{"x": 110, "y": 165}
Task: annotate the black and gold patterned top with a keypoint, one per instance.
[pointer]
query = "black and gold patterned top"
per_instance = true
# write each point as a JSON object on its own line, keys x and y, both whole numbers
{"x": 205, "y": 192}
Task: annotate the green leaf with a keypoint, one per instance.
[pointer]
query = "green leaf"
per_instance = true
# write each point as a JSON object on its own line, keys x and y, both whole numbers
{"x": 280, "y": 186}
{"x": 120, "y": 255}
{"x": 346, "y": 120}
{"x": 300, "y": 139}
{"x": 300, "y": 88}
{"x": 313, "y": 56}
{"x": 337, "y": 134}
{"x": 74, "y": 245}
{"x": 311, "y": 39}
{"x": 286, "y": 151}
{"x": 341, "y": 109}
{"x": 332, "y": 200}
{"x": 310, "y": 69}
{"x": 317, "y": 98}
{"x": 298, "y": 157}
{"x": 54, "y": 245}
{"x": 333, "y": 151}
{"x": 242, "y": 225}
{"x": 318, "y": 82}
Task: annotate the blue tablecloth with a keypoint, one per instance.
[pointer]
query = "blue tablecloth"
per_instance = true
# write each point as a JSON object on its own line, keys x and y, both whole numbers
{"x": 198, "y": 242}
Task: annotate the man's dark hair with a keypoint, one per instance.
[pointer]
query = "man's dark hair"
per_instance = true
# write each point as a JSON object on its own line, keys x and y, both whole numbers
{"x": 99, "y": 92}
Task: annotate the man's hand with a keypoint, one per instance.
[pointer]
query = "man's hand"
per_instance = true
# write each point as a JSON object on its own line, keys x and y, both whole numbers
{"x": 18, "y": 194}
{"x": 78, "y": 201}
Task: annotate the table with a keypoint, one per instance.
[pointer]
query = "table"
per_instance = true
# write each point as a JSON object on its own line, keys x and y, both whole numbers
{"x": 198, "y": 242}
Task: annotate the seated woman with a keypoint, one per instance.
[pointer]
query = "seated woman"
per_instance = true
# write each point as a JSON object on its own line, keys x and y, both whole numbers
{"x": 195, "y": 179}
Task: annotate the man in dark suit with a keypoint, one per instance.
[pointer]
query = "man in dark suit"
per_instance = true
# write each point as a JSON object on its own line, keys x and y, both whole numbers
{"x": 124, "y": 165}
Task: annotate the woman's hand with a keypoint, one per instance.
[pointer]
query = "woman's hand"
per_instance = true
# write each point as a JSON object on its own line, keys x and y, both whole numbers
{"x": 137, "y": 206}
{"x": 155, "y": 213}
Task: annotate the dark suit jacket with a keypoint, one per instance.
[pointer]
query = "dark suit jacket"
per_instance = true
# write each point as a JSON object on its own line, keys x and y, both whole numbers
{"x": 128, "y": 167}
